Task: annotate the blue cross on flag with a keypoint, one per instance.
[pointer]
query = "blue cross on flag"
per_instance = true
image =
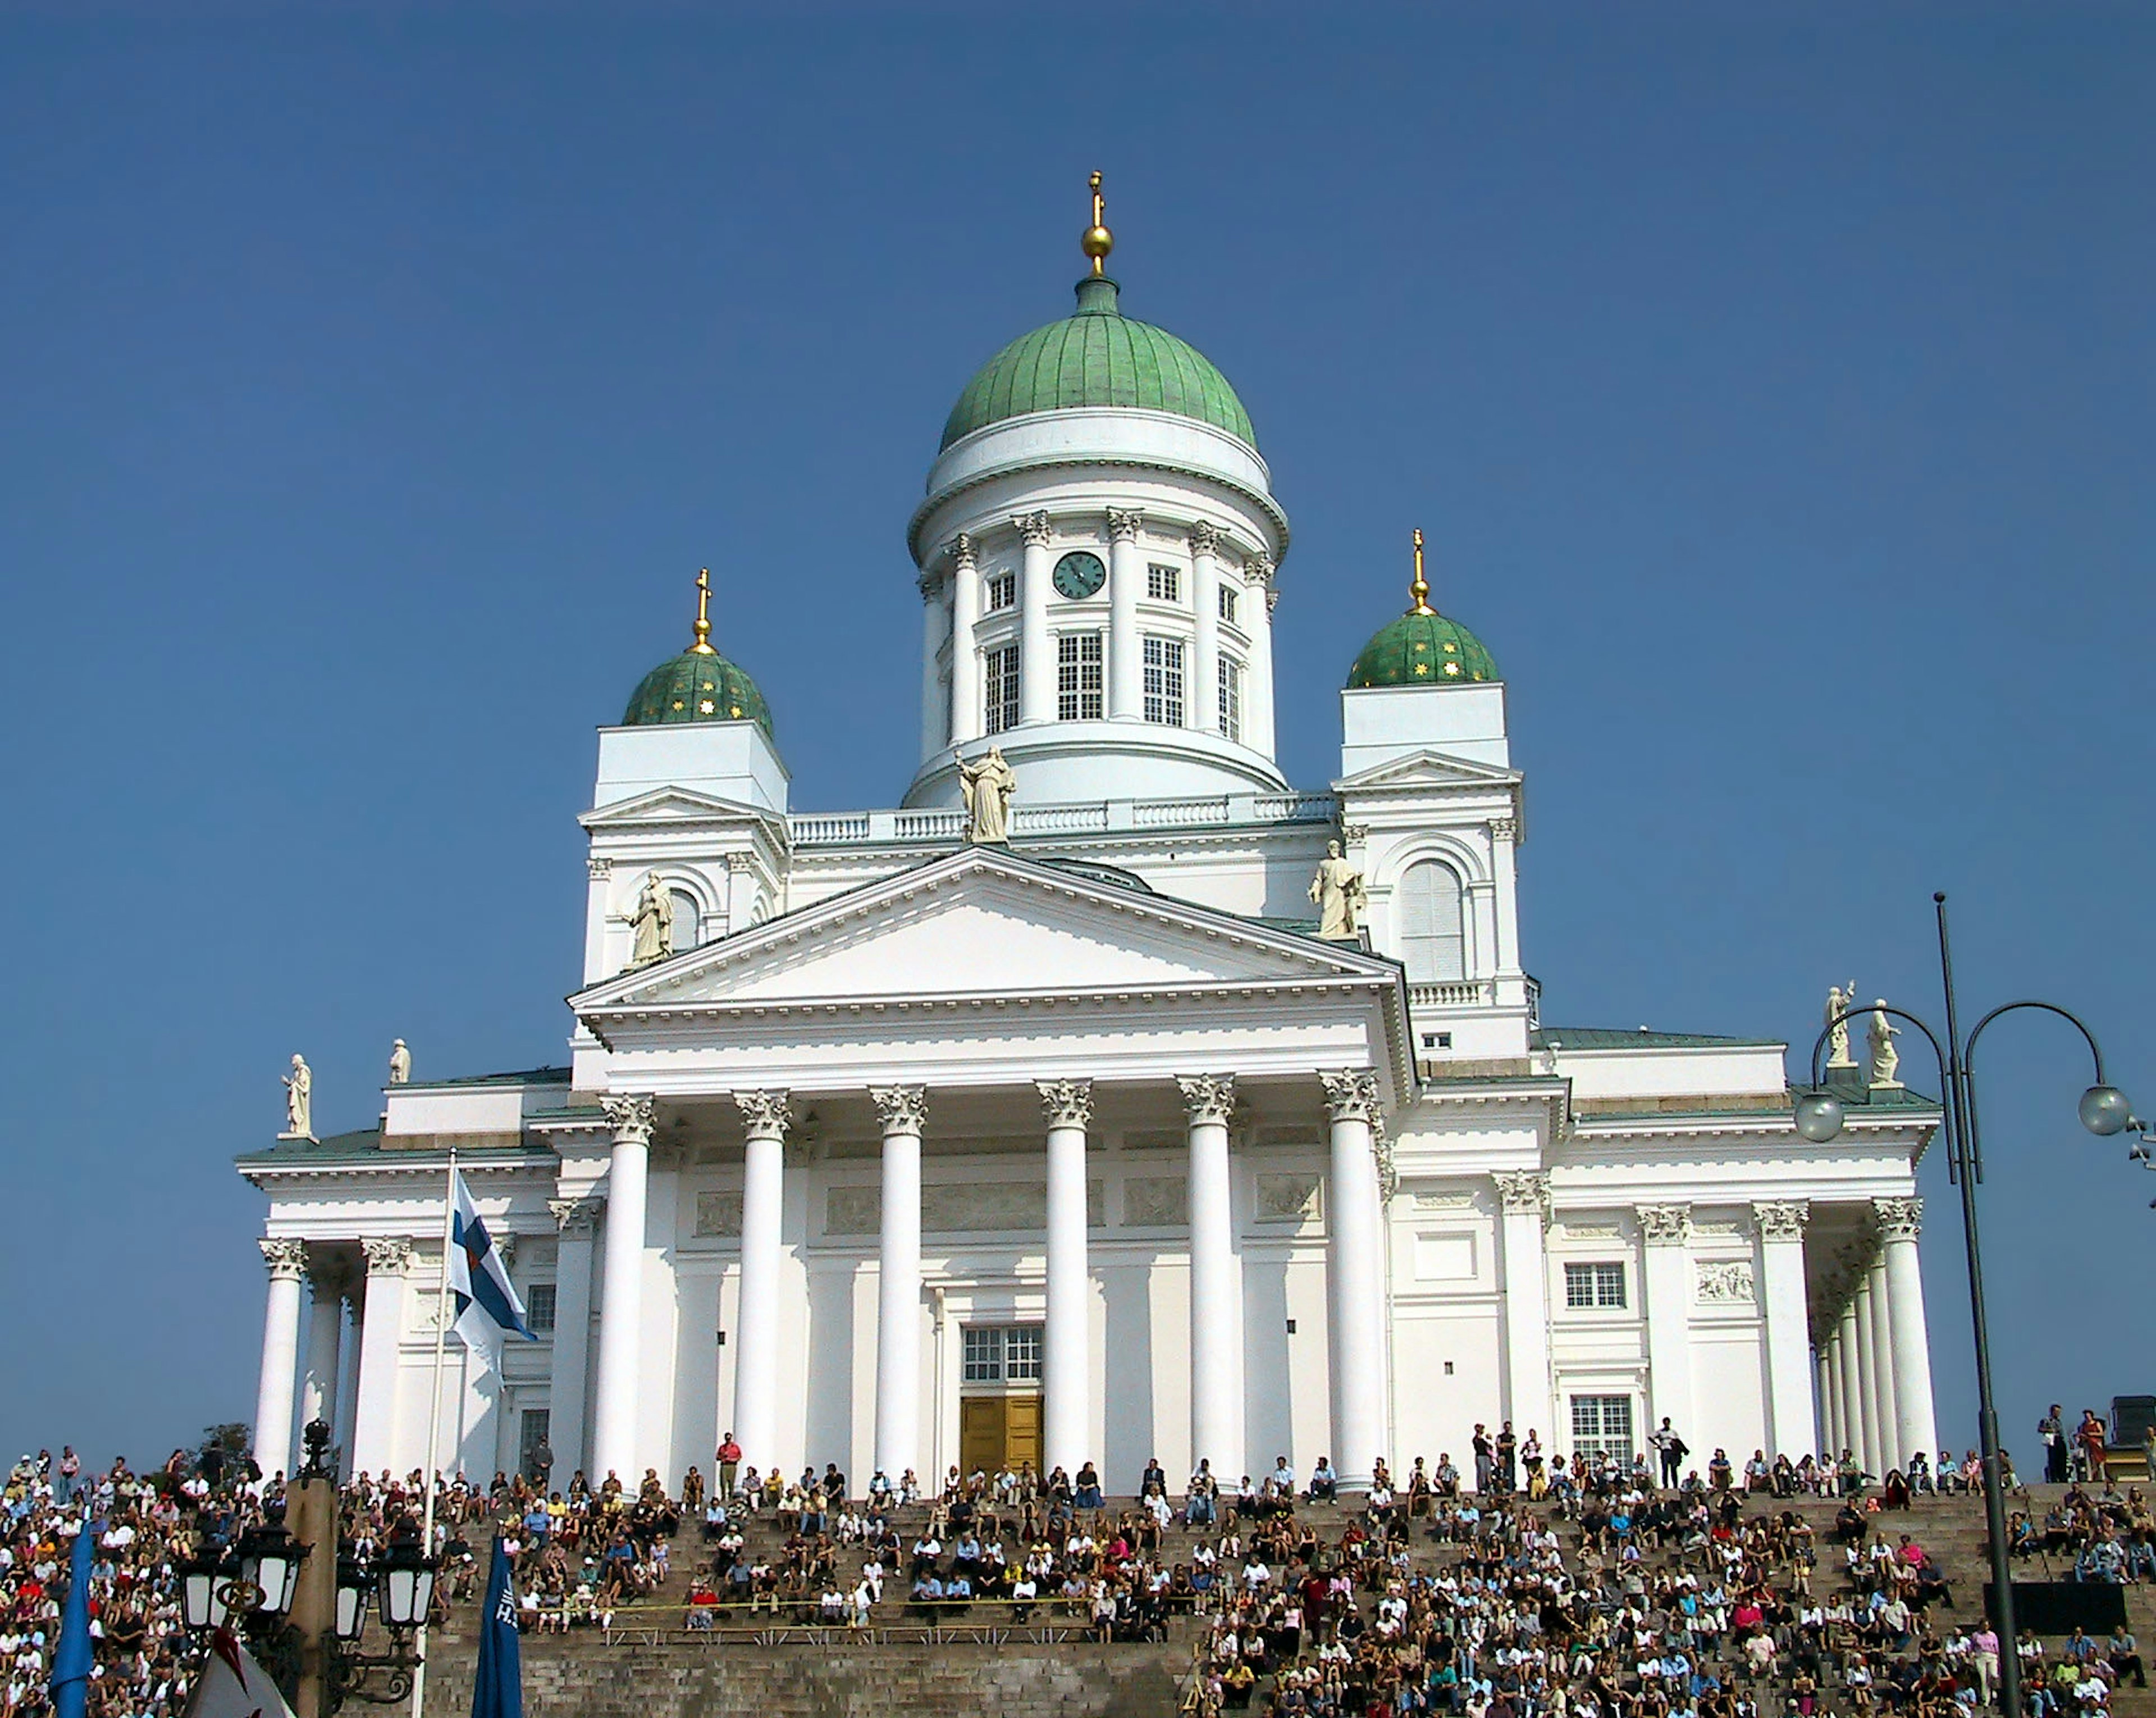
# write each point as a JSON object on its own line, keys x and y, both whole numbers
{"x": 486, "y": 1303}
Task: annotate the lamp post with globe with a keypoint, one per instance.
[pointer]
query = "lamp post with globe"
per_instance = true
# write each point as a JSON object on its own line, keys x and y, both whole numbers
{"x": 2104, "y": 1111}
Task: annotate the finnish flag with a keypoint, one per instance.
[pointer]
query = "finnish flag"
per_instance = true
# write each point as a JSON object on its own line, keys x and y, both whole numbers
{"x": 486, "y": 1303}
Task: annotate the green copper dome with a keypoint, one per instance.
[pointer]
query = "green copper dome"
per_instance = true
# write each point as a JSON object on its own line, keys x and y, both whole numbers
{"x": 1098, "y": 356}
{"x": 1422, "y": 648}
{"x": 697, "y": 686}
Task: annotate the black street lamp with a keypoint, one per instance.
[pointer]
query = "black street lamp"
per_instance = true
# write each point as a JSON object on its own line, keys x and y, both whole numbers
{"x": 2103, "y": 1110}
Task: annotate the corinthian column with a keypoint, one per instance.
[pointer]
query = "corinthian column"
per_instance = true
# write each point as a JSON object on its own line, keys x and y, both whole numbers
{"x": 287, "y": 1261}
{"x": 1036, "y": 661}
{"x": 1789, "y": 1372}
{"x": 1523, "y": 1200}
{"x": 324, "y": 1340}
{"x": 1216, "y": 1318}
{"x": 1665, "y": 1234}
{"x": 1066, "y": 1364}
{"x": 375, "y": 1396}
{"x": 1126, "y": 580}
{"x": 1257, "y": 611}
{"x": 1899, "y": 1222}
{"x": 569, "y": 1377}
{"x": 1205, "y": 613}
{"x": 756, "y": 1349}
{"x": 965, "y": 656}
{"x": 1354, "y": 1255}
{"x": 621, "y": 1303}
{"x": 1886, "y": 1412}
{"x": 904, "y": 1110}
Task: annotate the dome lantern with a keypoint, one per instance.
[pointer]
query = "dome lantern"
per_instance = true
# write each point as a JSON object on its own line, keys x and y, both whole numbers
{"x": 700, "y": 685}
{"x": 1422, "y": 647}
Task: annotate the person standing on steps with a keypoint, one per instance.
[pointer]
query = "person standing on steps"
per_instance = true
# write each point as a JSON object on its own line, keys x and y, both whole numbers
{"x": 1670, "y": 1451}
{"x": 730, "y": 1457}
{"x": 2052, "y": 1429}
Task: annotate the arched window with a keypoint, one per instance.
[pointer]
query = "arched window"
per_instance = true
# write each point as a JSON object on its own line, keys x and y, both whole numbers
{"x": 1432, "y": 947}
{"x": 688, "y": 921}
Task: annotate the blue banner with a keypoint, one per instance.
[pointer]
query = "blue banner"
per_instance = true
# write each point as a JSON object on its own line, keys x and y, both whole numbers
{"x": 499, "y": 1690}
{"x": 72, "y": 1659}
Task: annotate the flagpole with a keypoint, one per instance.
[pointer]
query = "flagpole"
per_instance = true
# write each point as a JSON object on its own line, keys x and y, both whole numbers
{"x": 434, "y": 1416}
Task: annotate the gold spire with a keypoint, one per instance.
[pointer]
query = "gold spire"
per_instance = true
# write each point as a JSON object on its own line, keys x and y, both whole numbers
{"x": 1420, "y": 590}
{"x": 1098, "y": 241}
{"x": 702, "y": 647}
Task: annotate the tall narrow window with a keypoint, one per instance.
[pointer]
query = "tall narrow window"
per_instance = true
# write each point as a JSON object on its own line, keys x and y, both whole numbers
{"x": 1164, "y": 584}
{"x": 1000, "y": 690}
{"x": 1078, "y": 677}
{"x": 1432, "y": 947}
{"x": 539, "y": 1308}
{"x": 688, "y": 922}
{"x": 1228, "y": 605}
{"x": 1003, "y": 591}
{"x": 1163, "y": 680}
{"x": 1602, "y": 1425}
{"x": 1231, "y": 698}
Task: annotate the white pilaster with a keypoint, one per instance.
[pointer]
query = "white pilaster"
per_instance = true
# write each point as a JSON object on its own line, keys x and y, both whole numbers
{"x": 1886, "y": 1408}
{"x": 1830, "y": 1401}
{"x": 1849, "y": 1379}
{"x": 287, "y": 1261}
{"x": 904, "y": 1110}
{"x": 1870, "y": 1446}
{"x": 1257, "y": 610}
{"x": 382, "y": 1334}
{"x": 1036, "y": 660}
{"x": 764, "y": 1201}
{"x": 318, "y": 1393}
{"x": 1790, "y": 1418}
{"x": 578, "y": 1222}
{"x": 1822, "y": 1395}
{"x": 1523, "y": 1199}
{"x": 935, "y": 627}
{"x": 1205, "y": 614}
{"x": 1505, "y": 874}
{"x": 1665, "y": 1263}
{"x": 1354, "y": 1254}
{"x": 1066, "y": 1364}
{"x": 1900, "y": 1222}
{"x": 1216, "y": 1314}
{"x": 966, "y": 716}
{"x": 621, "y": 1301}
{"x": 1126, "y": 584}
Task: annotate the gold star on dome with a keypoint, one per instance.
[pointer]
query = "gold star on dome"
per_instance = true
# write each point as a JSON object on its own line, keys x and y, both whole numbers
{"x": 1422, "y": 668}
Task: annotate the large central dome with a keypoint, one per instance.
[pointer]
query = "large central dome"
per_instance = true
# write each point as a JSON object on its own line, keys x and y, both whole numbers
{"x": 1098, "y": 356}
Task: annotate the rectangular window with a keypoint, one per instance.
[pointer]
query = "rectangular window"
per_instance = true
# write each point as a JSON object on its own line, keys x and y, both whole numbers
{"x": 1231, "y": 698}
{"x": 1022, "y": 1355}
{"x": 1003, "y": 591}
{"x": 1598, "y": 1286}
{"x": 1228, "y": 605}
{"x": 1000, "y": 690}
{"x": 1078, "y": 677}
{"x": 539, "y": 1308}
{"x": 984, "y": 1354}
{"x": 1163, "y": 680}
{"x": 1002, "y": 1354}
{"x": 530, "y": 1433}
{"x": 1602, "y": 1425}
{"x": 1164, "y": 584}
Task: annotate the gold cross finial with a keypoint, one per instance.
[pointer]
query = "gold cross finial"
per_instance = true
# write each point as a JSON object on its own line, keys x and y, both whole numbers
{"x": 1098, "y": 241}
{"x": 702, "y": 647}
{"x": 1420, "y": 590}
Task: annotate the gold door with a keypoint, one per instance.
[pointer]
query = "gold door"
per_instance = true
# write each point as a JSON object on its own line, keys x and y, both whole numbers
{"x": 1022, "y": 1432}
{"x": 980, "y": 1434}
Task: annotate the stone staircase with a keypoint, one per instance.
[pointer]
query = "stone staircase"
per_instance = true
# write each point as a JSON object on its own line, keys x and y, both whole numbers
{"x": 791, "y": 1667}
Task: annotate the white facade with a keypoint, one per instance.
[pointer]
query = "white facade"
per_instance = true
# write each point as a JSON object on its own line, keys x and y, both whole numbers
{"x": 1086, "y": 1146}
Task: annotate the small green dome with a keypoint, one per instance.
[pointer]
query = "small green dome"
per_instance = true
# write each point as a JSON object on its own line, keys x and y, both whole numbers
{"x": 1098, "y": 356}
{"x": 1422, "y": 648}
{"x": 697, "y": 686}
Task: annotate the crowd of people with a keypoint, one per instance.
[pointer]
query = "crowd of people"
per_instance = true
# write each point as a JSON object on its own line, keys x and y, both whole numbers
{"x": 1529, "y": 1586}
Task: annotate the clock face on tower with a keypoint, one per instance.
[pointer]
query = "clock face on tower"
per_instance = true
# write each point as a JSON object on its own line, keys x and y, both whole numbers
{"x": 1079, "y": 574}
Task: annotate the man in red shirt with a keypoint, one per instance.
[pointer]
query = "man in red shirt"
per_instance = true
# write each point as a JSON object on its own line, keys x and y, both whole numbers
{"x": 730, "y": 1457}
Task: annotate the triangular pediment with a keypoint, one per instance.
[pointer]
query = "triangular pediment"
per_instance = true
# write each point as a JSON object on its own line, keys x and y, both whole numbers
{"x": 982, "y": 924}
{"x": 672, "y": 804}
{"x": 1427, "y": 769}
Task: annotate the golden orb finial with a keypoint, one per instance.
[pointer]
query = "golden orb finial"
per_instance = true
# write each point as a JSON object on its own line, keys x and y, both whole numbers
{"x": 1420, "y": 590}
{"x": 702, "y": 646}
{"x": 1098, "y": 240}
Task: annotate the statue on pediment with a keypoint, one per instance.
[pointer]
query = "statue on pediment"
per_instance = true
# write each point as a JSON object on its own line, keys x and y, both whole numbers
{"x": 652, "y": 923}
{"x": 1839, "y": 1001}
{"x": 1886, "y": 1059}
{"x": 988, "y": 783}
{"x": 299, "y": 1100}
{"x": 400, "y": 1064}
{"x": 1339, "y": 892}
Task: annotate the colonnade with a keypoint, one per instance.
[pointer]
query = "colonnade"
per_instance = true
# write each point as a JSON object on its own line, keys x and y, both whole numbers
{"x": 1872, "y": 1357}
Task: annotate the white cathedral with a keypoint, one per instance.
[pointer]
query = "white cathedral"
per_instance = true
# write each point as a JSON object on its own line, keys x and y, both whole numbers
{"x": 1081, "y": 1106}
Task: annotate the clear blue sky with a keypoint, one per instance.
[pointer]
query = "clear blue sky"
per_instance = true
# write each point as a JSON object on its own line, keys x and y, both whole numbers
{"x": 1774, "y": 384}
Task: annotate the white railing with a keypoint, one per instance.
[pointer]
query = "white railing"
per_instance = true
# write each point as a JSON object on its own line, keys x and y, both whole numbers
{"x": 827, "y": 829}
{"x": 1176, "y": 813}
{"x": 928, "y": 826}
{"x": 1468, "y": 993}
{"x": 813, "y": 828}
{"x": 1295, "y": 807}
{"x": 1059, "y": 820}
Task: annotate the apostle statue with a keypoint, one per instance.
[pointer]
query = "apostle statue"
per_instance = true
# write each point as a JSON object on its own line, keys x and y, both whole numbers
{"x": 652, "y": 923}
{"x": 1839, "y": 1002}
{"x": 988, "y": 784}
{"x": 1886, "y": 1059}
{"x": 1337, "y": 890}
{"x": 299, "y": 1100}
{"x": 400, "y": 1064}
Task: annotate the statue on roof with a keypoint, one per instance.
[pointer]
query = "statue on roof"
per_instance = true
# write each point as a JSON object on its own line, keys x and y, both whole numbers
{"x": 988, "y": 784}
{"x": 400, "y": 1064}
{"x": 1886, "y": 1059}
{"x": 299, "y": 1100}
{"x": 1338, "y": 891}
{"x": 652, "y": 923}
{"x": 1839, "y": 1001}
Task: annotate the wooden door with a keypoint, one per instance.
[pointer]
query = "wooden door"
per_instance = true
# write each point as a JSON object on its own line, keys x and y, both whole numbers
{"x": 1021, "y": 1432}
{"x": 981, "y": 1434}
